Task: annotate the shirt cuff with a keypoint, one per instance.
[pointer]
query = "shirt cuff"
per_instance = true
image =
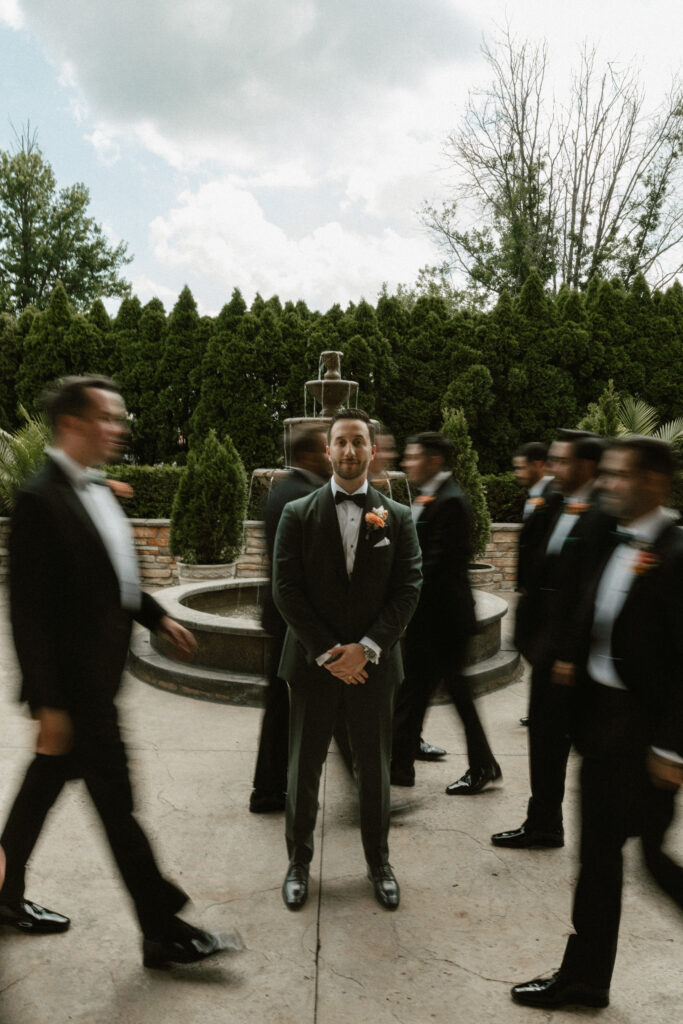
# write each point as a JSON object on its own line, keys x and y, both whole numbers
{"x": 367, "y": 642}
{"x": 670, "y": 755}
{"x": 325, "y": 656}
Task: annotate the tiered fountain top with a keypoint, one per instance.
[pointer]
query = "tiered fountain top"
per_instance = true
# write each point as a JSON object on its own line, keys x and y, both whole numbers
{"x": 330, "y": 391}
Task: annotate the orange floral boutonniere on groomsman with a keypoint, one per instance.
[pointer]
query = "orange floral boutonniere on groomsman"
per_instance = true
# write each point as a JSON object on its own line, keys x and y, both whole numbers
{"x": 645, "y": 562}
{"x": 576, "y": 508}
{"x": 376, "y": 519}
{"x": 536, "y": 503}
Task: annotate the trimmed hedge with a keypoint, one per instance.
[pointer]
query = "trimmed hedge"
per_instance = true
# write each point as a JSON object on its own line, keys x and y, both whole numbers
{"x": 154, "y": 487}
{"x": 504, "y": 497}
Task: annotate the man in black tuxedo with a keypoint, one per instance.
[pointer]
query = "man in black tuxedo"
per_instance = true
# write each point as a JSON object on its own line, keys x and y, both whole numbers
{"x": 554, "y": 573}
{"x": 436, "y": 640}
{"x": 530, "y": 466}
{"x": 628, "y": 653}
{"x": 346, "y": 579}
{"x": 309, "y": 470}
{"x": 74, "y": 590}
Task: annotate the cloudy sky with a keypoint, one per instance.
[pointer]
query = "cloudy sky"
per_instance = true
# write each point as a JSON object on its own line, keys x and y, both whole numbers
{"x": 280, "y": 146}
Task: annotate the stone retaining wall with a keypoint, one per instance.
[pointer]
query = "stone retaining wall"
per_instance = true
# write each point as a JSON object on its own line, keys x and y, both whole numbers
{"x": 158, "y": 568}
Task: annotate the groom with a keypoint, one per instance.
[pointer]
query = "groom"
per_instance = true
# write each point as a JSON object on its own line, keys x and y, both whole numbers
{"x": 346, "y": 579}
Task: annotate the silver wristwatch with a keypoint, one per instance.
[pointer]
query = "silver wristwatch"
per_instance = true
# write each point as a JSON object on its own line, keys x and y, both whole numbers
{"x": 370, "y": 655}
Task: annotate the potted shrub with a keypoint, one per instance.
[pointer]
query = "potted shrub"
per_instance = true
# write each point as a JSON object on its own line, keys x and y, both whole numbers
{"x": 207, "y": 518}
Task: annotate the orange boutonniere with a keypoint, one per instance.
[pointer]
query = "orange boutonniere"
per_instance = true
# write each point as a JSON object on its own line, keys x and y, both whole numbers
{"x": 376, "y": 519}
{"x": 645, "y": 562}
{"x": 424, "y": 499}
{"x": 575, "y": 508}
{"x": 536, "y": 503}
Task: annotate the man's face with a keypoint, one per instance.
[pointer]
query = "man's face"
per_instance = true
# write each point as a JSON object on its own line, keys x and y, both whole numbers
{"x": 350, "y": 451}
{"x": 385, "y": 454}
{"x": 527, "y": 473}
{"x": 103, "y": 427}
{"x": 626, "y": 491}
{"x": 320, "y": 464}
{"x": 419, "y": 466}
{"x": 564, "y": 466}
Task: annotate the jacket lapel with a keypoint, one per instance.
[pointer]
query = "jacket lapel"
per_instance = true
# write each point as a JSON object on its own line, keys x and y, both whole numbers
{"x": 367, "y": 538}
{"x": 331, "y": 533}
{"x": 76, "y": 508}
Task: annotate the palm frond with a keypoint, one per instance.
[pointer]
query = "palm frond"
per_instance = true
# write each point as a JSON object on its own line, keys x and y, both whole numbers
{"x": 21, "y": 454}
{"x": 636, "y": 417}
{"x": 671, "y": 432}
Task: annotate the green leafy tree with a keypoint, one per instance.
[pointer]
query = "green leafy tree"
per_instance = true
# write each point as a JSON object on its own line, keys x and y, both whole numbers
{"x": 467, "y": 476}
{"x": 209, "y": 504}
{"x": 46, "y": 236}
{"x": 180, "y": 371}
{"x": 602, "y": 417}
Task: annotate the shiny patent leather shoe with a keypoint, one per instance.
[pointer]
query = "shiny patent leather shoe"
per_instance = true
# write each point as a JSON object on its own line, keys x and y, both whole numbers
{"x": 33, "y": 919}
{"x": 428, "y": 752}
{"x": 523, "y": 837}
{"x": 548, "y": 993}
{"x": 387, "y": 892}
{"x": 295, "y": 886}
{"x": 474, "y": 780}
{"x": 188, "y": 945}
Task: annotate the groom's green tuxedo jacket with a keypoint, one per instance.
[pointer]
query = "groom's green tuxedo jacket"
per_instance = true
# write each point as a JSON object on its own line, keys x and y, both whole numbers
{"x": 321, "y": 605}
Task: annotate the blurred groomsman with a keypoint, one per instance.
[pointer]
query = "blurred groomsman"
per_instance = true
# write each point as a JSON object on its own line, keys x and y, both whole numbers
{"x": 74, "y": 592}
{"x": 628, "y": 652}
{"x": 437, "y": 636}
{"x": 529, "y": 465}
{"x": 552, "y": 567}
{"x": 310, "y": 468}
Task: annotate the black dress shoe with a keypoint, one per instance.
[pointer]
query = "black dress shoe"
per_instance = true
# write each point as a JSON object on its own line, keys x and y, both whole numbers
{"x": 295, "y": 886}
{"x": 474, "y": 780}
{"x": 188, "y": 945}
{"x": 548, "y": 993}
{"x": 387, "y": 892}
{"x": 428, "y": 752}
{"x": 266, "y": 803}
{"x": 402, "y": 776}
{"x": 523, "y": 837}
{"x": 31, "y": 918}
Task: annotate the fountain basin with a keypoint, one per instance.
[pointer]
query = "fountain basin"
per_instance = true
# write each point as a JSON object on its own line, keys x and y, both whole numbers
{"x": 233, "y": 651}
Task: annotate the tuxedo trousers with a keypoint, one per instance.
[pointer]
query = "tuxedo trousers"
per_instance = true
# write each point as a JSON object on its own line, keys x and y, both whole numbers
{"x": 617, "y": 801}
{"x": 549, "y": 746}
{"x": 428, "y": 662}
{"x": 319, "y": 704}
{"x": 270, "y": 774}
{"x": 99, "y": 758}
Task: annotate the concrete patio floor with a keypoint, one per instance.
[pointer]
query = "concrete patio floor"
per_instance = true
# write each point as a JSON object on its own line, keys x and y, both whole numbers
{"x": 473, "y": 920}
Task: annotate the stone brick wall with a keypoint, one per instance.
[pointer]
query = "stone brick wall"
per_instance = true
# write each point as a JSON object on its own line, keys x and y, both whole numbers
{"x": 158, "y": 568}
{"x": 501, "y": 553}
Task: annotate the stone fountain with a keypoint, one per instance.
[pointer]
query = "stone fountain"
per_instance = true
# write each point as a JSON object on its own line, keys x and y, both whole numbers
{"x": 231, "y": 664}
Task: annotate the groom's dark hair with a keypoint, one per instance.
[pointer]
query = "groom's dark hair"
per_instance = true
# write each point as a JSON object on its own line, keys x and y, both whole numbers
{"x": 352, "y": 414}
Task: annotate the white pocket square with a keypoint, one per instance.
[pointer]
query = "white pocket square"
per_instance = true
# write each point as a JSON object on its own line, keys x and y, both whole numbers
{"x": 382, "y": 543}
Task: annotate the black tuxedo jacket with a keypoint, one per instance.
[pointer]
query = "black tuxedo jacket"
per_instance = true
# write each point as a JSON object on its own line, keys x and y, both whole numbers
{"x": 321, "y": 605}
{"x": 445, "y": 612}
{"x": 295, "y": 485}
{"x": 647, "y": 638}
{"x": 70, "y": 631}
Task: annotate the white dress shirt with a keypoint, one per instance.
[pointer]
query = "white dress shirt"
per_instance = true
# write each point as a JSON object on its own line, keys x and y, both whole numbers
{"x": 566, "y": 521}
{"x": 535, "y": 491}
{"x": 428, "y": 490}
{"x": 111, "y": 524}
{"x": 349, "y": 516}
{"x": 614, "y": 587}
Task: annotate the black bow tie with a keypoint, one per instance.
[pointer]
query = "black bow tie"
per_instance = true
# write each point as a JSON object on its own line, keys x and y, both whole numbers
{"x": 623, "y": 537}
{"x": 357, "y": 499}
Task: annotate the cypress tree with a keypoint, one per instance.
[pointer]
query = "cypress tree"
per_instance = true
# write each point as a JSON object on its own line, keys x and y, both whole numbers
{"x": 210, "y": 504}
{"x": 467, "y": 475}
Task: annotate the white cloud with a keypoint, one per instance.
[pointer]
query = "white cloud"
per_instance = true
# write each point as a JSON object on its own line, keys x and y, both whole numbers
{"x": 11, "y": 14}
{"x": 221, "y": 235}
